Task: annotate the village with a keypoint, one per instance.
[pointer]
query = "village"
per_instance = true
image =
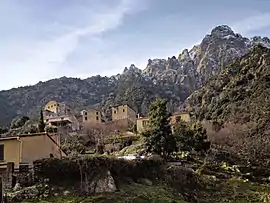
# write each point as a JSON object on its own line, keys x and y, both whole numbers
{"x": 18, "y": 152}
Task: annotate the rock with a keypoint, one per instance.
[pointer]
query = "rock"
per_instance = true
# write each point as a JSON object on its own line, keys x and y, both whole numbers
{"x": 17, "y": 187}
{"x": 103, "y": 184}
{"x": 66, "y": 193}
{"x": 145, "y": 181}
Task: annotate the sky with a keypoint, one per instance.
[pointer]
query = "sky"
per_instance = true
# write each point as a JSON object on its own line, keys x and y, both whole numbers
{"x": 46, "y": 39}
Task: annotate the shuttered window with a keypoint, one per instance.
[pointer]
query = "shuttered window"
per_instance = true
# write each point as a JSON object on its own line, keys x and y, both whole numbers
{"x": 1, "y": 152}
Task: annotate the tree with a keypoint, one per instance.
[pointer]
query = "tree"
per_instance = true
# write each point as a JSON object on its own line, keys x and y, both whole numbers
{"x": 191, "y": 137}
{"x": 159, "y": 138}
{"x": 18, "y": 122}
{"x": 99, "y": 132}
{"x": 3, "y": 130}
{"x": 41, "y": 125}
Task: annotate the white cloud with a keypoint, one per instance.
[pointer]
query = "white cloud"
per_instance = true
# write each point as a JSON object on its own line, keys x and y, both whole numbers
{"x": 252, "y": 23}
{"x": 28, "y": 62}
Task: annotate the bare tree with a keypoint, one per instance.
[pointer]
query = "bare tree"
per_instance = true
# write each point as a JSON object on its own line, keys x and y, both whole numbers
{"x": 98, "y": 133}
{"x": 244, "y": 141}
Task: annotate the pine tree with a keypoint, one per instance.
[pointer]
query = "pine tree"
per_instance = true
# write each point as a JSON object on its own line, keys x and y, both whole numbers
{"x": 159, "y": 138}
{"x": 41, "y": 125}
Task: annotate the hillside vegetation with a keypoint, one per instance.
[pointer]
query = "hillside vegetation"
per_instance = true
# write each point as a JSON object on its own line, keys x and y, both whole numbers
{"x": 240, "y": 93}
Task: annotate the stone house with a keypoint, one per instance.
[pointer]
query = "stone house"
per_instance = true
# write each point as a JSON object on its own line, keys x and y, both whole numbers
{"x": 59, "y": 114}
{"x": 124, "y": 115}
{"x": 143, "y": 121}
{"x": 92, "y": 116}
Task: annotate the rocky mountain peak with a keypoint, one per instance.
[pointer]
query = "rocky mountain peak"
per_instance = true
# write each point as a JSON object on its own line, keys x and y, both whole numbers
{"x": 184, "y": 55}
{"x": 222, "y": 31}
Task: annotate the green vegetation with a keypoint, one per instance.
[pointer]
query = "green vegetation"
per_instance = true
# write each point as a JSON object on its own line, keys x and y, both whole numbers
{"x": 132, "y": 193}
{"x": 191, "y": 137}
{"x": 18, "y": 122}
{"x": 41, "y": 125}
{"x": 158, "y": 136}
{"x": 237, "y": 102}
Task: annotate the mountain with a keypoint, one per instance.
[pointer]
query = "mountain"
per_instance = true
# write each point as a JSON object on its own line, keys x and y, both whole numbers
{"x": 239, "y": 93}
{"x": 174, "y": 78}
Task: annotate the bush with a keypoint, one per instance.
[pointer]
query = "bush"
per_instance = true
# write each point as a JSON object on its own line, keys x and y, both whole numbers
{"x": 191, "y": 138}
{"x": 72, "y": 169}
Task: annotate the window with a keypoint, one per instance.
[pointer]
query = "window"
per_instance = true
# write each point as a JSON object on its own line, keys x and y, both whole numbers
{"x": 144, "y": 123}
{"x": 85, "y": 118}
{"x": 97, "y": 113}
{"x": 97, "y": 118}
{"x": 85, "y": 113}
{"x": 123, "y": 110}
{"x": 2, "y": 152}
{"x": 114, "y": 111}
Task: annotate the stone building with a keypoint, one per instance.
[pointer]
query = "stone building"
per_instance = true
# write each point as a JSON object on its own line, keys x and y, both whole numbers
{"x": 142, "y": 122}
{"x": 92, "y": 116}
{"x": 124, "y": 116}
{"x": 59, "y": 114}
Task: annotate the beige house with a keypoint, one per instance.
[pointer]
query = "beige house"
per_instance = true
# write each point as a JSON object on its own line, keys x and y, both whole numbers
{"x": 24, "y": 149}
{"x": 142, "y": 124}
{"x": 59, "y": 114}
{"x": 124, "y": 115}
{"x": 92, "y": 116}
{"x": 143, "y": 121}
{"x": 180, "y": 116}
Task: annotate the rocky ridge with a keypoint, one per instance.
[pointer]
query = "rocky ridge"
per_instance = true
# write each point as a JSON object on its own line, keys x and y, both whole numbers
{"x": 173, "y": 78}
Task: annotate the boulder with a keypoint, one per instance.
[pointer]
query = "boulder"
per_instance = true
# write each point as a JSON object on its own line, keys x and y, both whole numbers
{"x": 17, "y": 187}
{"x": 103, "y": 184}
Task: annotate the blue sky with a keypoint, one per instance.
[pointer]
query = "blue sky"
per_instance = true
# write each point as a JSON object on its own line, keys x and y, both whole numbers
{"x": 45, "y": 39}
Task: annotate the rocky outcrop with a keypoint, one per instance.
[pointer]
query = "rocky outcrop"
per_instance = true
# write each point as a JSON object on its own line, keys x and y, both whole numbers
{"x": 103, "y": 184}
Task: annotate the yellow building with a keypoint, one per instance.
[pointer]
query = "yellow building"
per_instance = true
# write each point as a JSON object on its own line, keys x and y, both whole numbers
{"x": 142, "y": 122}
{"x": 180, "y": 116}
{"x": 24, "y": 149}
{"x": 124, "y": 115}
{"x": 92, "y": 116}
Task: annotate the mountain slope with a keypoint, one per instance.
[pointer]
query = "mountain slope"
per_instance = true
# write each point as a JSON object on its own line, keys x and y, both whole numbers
{"x": 239, "y": 93}
{"x": 174, "y": 79}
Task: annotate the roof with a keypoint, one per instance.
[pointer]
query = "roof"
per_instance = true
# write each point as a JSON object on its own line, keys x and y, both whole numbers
{"x": 143, "y": 118}
{"x": 21, "y": 135}
{"x": 116, "y": 106}
{"x": 181, "y": 113}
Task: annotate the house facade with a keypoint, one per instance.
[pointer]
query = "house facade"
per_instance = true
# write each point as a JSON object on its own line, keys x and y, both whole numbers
{"x": 91, "y": 116}
{"x": 59, "y": 114}
{"x": 124, "y": 115}
{"x": 24, "y": 149}
{"x": 143, "y": 121}
{"x": 142, "y": 124}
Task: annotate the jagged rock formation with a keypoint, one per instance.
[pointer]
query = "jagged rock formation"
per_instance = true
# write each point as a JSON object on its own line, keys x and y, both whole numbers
{"x": 174, "y": 79}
